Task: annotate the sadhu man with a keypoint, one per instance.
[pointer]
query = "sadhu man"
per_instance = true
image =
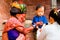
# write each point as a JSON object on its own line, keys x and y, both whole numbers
{"x": 14, "y": 27}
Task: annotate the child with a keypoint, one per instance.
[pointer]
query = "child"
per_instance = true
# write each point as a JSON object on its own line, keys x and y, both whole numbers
{"x": 39, "y": 19}
{"x": 52, "y": 31}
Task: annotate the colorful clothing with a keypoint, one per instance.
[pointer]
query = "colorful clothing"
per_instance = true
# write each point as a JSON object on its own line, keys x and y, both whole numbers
{"x": 11, "y": 24}
{"x": 38, "y": 19}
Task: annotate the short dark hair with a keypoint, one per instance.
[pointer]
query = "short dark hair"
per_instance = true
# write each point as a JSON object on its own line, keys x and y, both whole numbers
{"x": 38, "y": 6}
{"x": 55, "y": 16}
{"x": 14, "y": 11}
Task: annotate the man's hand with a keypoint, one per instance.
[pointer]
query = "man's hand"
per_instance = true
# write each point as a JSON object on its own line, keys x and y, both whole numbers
{"x": 27, "y": 30}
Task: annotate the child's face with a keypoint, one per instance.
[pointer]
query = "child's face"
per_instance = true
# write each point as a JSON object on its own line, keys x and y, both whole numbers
{"x": 40, "y": 11}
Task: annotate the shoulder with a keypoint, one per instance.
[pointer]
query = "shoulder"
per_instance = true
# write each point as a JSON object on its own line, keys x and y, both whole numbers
{"x": 12, "y": 20}
{"x": 44, "y": 16}
{"x": 50, "y": 27}
{"x": 34, "y": 16}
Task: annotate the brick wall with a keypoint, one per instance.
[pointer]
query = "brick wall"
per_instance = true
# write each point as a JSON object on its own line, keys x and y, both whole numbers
{"x": 31, "y": 4}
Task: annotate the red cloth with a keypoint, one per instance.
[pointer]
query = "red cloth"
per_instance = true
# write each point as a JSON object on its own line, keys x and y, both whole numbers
{"x": 15, "y": 23}
{"x": 12, "y": 23}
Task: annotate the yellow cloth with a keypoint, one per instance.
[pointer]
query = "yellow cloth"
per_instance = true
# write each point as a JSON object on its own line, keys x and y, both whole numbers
{"x": 15, "y": 4}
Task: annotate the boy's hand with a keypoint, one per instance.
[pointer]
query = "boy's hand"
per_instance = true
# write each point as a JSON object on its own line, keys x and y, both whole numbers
{"x": 39, "y": 23}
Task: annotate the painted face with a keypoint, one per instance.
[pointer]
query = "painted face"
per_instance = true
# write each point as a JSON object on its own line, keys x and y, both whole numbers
{"x": 40, "y": 11}
{"x": 51, "y": 20}
{"x": 21, "y": 17}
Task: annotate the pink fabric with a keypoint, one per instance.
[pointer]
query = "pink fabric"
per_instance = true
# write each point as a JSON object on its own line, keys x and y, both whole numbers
{"x": 21, "y": 37}
{"x": 12, "y": 23}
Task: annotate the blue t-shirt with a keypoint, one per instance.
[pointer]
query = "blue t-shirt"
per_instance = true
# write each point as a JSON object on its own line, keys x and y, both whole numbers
{"x": 38, "y": 19}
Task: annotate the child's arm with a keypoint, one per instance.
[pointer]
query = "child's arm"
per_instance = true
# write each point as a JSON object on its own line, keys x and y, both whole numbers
{"x": 45, "y": 20}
